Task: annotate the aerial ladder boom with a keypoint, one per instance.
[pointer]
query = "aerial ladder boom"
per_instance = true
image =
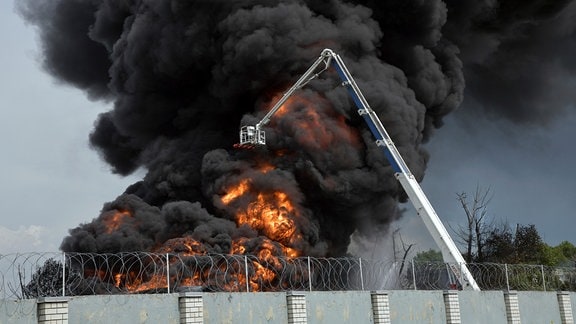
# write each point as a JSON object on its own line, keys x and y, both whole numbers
{"x": 254, "y": 135}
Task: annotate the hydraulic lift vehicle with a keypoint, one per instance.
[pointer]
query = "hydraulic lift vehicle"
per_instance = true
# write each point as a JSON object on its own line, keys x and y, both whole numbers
{"x": 254, "y": 135}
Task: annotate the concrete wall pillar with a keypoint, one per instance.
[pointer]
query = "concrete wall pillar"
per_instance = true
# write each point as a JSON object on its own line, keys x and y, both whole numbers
{"x": 452, "y": 307}
{"x": 52, "y": 310}
{"x": 380, "y": 307}
{"x": 565, "y": 307}
{"x": 296, "y": 302}
{"x": 191, "y": 308}
{"x": 512, "y": 307}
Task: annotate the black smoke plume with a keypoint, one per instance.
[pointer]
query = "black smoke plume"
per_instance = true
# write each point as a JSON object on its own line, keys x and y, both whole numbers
{"x": 519, "y": 56}
{"x": 183, "y": 75}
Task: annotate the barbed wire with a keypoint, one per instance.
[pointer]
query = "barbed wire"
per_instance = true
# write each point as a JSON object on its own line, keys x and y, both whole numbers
{"x": 33, "y": 275}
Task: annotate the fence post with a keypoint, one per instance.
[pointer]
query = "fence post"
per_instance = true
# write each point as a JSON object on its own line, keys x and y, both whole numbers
{"x": 191, "y": 307}
{"x": 361, "y": 275}
{"x": 51, "y": 310}
{"x": 246, "y": 273}
{"x": 309, "y": 275}
{"x": 168, "y": 272}
{"x": 461, "y": 274}
{"x": 296, "y": 307}
{"x": 543, "y": 277}
{"x": 380, "y": 307}
{"x": 451, "y": 275}
{"x": 506, "y": 273}
{"x": 413, "y": 274}
{"x": 565, "y": 306}
{"x": 63, "y": 274}
{"x": 452, "y": 304}
{"x": 512, "y": 307}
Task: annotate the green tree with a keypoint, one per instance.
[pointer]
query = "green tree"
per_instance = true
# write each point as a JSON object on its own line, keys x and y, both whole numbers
{"x": 500, "y": 246}
{"x": 523, "y": 246}
{"x": 528, "y": 245}
{"x": 569, "y": 251}
{"x": 561, "y": 255}
{"x": 552, "y": 256}
{"x": 45, "y": 282}
{"x": 429, "y": 256}
{"x": 429, "y": 271}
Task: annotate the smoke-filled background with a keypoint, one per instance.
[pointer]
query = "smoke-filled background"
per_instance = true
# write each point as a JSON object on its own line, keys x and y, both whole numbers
{"x": 178, "y": 77}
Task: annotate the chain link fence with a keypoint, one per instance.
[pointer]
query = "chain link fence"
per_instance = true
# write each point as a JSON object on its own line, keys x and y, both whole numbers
{"x": 33, "y": 275}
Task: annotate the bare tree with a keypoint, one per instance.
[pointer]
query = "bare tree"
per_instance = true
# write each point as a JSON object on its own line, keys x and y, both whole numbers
{"x": 477, "y": 227}
{"x": 405, "y": 248}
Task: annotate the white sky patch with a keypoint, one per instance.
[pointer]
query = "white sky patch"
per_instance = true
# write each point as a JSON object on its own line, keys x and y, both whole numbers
{"x": 24, "y": 239}
{"x": 51, "y": 179}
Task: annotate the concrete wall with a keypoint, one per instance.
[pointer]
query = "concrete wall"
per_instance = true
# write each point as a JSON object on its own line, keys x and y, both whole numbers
{"x": 573, "y": 302}
{"x": 398, "y": 306}
{"x": 338, "y": 306}
{"x": 423, "y": 307}
{"x": 245, "y": 308}
{"x": 538, "y": 307}
{"x": 18, "y": 311}
{"x": 482, "y": 307}
{"x": 124, "y": 309}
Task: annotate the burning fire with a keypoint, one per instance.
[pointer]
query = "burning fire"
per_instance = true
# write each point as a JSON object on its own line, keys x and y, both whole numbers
{"x": 274, "y": 216}
{"x": 236, "y": 192}
{"x": 184, "y": 245}
{"x": 116, "y": 219}
{"x": 314, "y": 124}
{"x": 265, "y": 167}
{"x": 272, "y": 213}
{"x": 290, "y": 103}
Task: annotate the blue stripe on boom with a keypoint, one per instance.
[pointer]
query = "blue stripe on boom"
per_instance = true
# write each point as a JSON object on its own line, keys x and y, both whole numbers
{"x": 391, "y": 160}
{"x": 372, "y": 127}
{"x": 385, "y": 148}
{"x": 367, "y": 118}
{"x": 340, "y": 71}
{"x": 355, "y": 97}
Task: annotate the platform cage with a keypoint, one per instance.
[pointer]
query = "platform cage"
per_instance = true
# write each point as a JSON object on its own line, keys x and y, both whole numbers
{"x": 251, "y": 135}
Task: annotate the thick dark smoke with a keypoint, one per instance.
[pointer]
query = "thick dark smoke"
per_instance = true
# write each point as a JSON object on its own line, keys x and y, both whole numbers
{"x": 520, "y": 56}
{"x": 183, "y": 75}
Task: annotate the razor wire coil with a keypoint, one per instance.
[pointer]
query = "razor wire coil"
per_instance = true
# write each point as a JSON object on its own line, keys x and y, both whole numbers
{"x": 34, "y": 275}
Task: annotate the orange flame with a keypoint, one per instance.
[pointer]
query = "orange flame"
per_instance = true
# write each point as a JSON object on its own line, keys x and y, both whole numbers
{"x": 114, "y": 221}
{"x": 271, "y": 214}
{"x": 238, "y": 246}
{"x": 317, "y": 126}
{"x": 265, "y": 167}
{"x": 185, "y": 245}
{"x": 317, "y": 132}
{"x": 135, "y": 284}
{"x": 236, "y": 192}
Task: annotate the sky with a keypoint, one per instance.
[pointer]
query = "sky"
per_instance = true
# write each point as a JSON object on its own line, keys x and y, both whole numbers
{"x": 53, "y": 181}
{"x": 529, "y": 173}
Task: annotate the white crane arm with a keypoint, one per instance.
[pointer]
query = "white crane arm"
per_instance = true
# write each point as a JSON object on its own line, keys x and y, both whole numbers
{"x": 254, "y": 135}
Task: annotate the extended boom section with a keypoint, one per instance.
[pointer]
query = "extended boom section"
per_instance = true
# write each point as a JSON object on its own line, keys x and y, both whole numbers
{"x": 254, "y": 135}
